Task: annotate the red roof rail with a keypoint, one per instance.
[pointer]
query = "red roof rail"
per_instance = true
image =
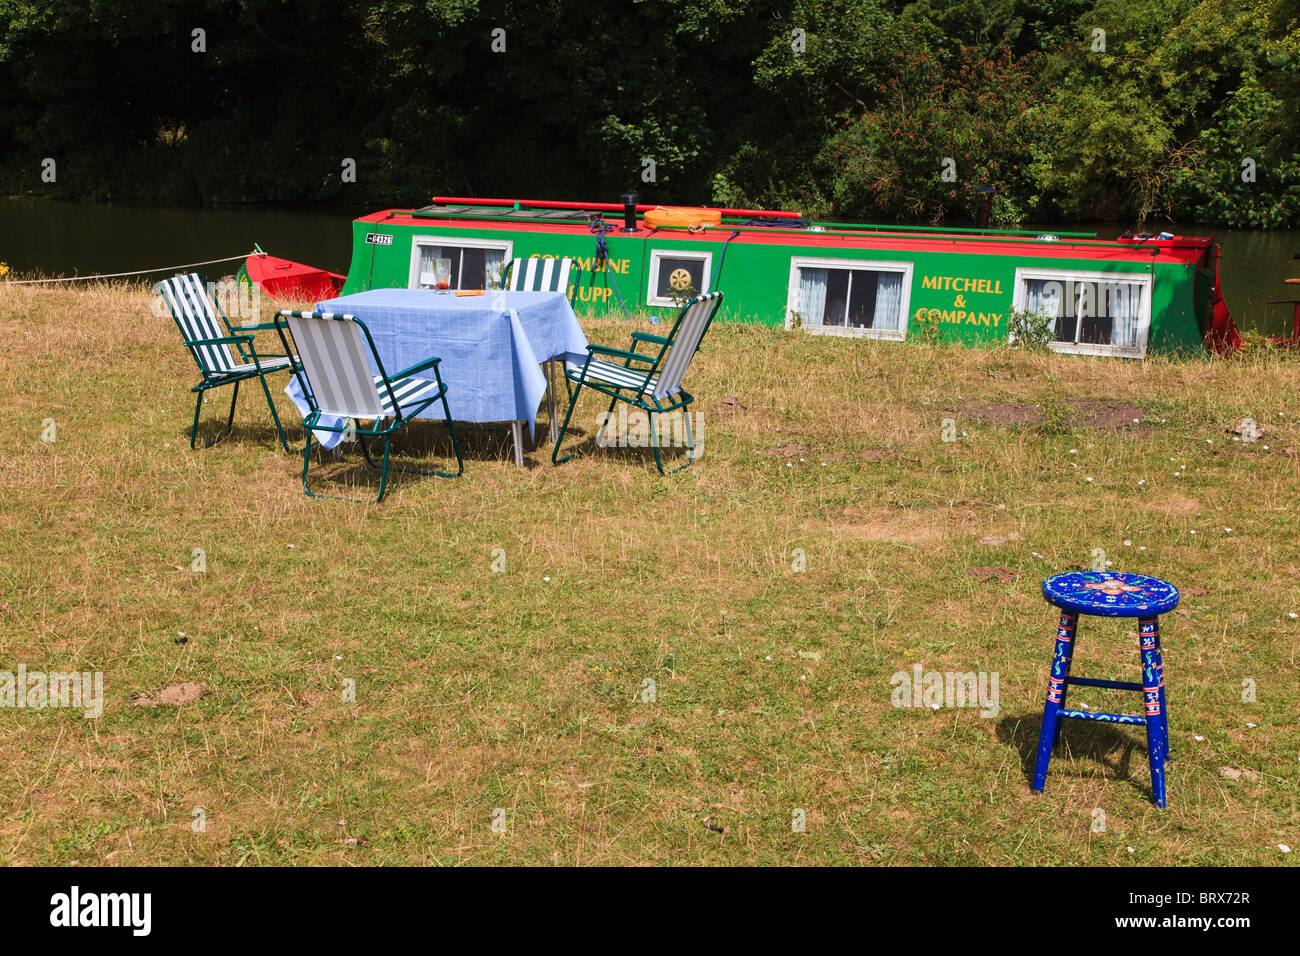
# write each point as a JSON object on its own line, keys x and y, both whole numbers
{"x": 601, "y": 206}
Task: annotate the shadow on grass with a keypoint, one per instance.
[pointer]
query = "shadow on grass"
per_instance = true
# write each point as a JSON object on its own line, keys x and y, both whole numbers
{"x": 1111, "y": 745}
{"x": 425, "y": 443}
{"x": 244, "y": 433}
{"x": 582, "y": 444}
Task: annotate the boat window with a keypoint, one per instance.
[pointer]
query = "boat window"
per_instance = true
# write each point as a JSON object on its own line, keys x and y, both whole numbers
{"x": 1095, "y": 313}
{"x": 849, "y": 297}
{"x": 474, "y": 264}
{"x": 676, "y": 276}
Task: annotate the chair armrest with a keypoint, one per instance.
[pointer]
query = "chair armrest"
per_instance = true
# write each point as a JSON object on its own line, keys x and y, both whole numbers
{"x": 260, "y": 327}
{"x": 621, "y": 353}
{"x": 418, "y": 367}
{"x": 224, "y": 340}
{"x": 647, "y": 337}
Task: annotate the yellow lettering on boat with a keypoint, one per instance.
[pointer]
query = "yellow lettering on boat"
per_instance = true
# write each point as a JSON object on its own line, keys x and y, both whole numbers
{"x": 962, "y": 284}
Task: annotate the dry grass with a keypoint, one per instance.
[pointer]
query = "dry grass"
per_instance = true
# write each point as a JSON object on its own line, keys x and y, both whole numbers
{"x": 520, "y": 691}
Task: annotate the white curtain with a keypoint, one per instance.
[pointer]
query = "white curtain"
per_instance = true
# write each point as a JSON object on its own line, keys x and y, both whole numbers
{"x": 812, "y": 295}
{"x": 1124, "y": 300}
{"x": 495, "y": 260}
{"x": 889, "y": 301}
{"x": 1043, "y": 296}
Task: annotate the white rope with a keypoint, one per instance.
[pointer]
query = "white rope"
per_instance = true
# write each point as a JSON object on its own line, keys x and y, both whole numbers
{"x": 138, "y": 272}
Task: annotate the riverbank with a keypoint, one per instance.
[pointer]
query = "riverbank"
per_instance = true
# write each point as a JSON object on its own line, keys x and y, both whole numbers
{"x": 664, "y": 670}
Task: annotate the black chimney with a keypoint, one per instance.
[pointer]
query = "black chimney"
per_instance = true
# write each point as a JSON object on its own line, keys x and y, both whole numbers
{"x": 629, "y": 211}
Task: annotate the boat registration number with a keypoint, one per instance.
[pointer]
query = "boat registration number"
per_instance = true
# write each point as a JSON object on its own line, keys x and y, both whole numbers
{"x": 379, "y": 239}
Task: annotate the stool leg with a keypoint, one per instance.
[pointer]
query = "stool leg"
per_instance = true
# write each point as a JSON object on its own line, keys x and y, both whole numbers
{"x": 1055, "y": 696}
{"x": 1149, "y": 642}
{"x": 1164, "y": 709}
{"x": 1065, "y": 682}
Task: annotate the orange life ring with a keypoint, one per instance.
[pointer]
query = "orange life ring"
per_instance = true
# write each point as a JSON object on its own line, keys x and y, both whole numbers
{"x": 681, "y": 217}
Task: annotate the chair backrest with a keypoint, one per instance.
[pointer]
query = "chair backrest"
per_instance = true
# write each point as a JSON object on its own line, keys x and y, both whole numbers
{"x": 683, "y": 341}
{"x": 539, "y": 275}
{"x": 335, "y": 360}
{"x": 187, "y": 298}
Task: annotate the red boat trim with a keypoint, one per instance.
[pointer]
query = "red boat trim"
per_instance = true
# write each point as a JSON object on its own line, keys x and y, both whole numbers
{"x": 603, "y": 206}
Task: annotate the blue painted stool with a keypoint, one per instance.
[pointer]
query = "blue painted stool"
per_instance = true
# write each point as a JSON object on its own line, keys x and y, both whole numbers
{"x": 1108, "y": 594}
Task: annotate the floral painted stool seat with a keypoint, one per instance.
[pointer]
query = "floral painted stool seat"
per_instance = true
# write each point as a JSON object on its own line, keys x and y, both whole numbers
{"x": 1108, "y": 594}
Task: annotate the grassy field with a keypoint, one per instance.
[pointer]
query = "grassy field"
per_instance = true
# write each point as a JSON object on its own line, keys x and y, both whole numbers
{"x": 824, "y": 541}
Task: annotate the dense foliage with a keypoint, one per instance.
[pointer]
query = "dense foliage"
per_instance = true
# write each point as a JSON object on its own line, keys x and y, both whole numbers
{"x": 848, "y": 109}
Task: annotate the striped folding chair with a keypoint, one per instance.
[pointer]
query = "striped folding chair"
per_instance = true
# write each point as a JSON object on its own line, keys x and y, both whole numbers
{"x": 335, "y": 375}
{"x": 542, "y": 275}
{"x": 193, "y": 311}
{"x": 650, "y": 381}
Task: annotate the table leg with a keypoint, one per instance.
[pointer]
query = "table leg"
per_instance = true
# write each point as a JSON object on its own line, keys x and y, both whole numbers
{"x": 550, "y": 401}
{"x": 517, "y": 434}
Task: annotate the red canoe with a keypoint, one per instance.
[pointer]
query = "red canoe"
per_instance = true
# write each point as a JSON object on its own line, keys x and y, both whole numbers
{"x": 282, "y": 279}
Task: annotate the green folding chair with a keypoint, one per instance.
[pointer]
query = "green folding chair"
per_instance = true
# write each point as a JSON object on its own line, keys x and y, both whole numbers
{"x": 335, "y": 376}
{"x": 193, "y": 312}
{"x": 654, "y": 383}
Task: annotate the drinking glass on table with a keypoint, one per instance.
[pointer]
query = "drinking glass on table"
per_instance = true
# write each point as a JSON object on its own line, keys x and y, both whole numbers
{"x": 442, "y": 274}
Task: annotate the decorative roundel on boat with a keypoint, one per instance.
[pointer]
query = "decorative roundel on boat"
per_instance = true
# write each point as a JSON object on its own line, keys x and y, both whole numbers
{"x": 679, "y": 279}
{"x": 1110, "y": 593}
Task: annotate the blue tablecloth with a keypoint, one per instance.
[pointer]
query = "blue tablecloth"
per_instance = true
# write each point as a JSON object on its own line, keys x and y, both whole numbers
{"x": 491, "y": 346}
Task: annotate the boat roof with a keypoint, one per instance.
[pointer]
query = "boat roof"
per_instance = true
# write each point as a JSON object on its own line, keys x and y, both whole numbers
{"x": 787, "y": 228}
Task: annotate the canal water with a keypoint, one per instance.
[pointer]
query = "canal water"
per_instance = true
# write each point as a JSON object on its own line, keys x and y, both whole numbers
{"x": 56, "y": 238}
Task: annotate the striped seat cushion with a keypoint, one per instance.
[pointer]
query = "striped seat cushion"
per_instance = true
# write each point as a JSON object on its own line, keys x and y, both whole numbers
{"x": 617, "y": 375}
{"x": 410, "y": 392}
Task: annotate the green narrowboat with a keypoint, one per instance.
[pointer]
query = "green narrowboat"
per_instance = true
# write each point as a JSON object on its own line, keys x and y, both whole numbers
{"x": 1126, "y": 297}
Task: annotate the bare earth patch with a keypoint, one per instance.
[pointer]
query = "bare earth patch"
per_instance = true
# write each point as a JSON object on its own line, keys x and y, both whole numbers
{"x": 1099, "y": 413}
{"x": 1233, "y": 773}
{"x": 1176, "y": 505}
{"x": 1092, "y": 412}
{"x": 902, "y": 527}
{"x": 997, "y": 540}
{"x": 173, "y": 695}
{"x": 730, "y": 405}
{"x": 989, "y": 571}
{"x": 1246, "y": 431}
{"x": 877, "y": 455}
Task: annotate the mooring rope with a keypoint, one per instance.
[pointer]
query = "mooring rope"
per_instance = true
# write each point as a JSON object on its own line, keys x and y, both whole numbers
{"x": 118, "y": 275}
{"x": 600, "y": 227}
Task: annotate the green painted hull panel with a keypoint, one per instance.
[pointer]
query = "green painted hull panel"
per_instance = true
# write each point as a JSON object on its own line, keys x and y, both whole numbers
{"x": 965, "y": 283}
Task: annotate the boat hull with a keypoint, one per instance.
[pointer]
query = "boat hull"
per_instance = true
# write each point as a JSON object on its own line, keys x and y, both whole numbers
{"x": 965, "y": 284}
{"x": 284, "y": 280}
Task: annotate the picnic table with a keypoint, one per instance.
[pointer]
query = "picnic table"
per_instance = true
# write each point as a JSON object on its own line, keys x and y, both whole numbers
{"x": 492, "y": 348}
